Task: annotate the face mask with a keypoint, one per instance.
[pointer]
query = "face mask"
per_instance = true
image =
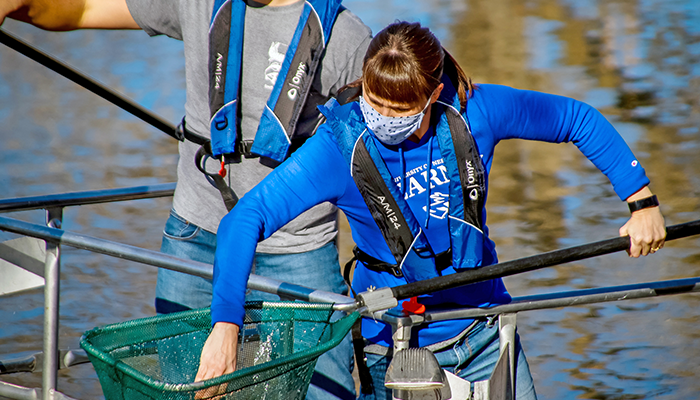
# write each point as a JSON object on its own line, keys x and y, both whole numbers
{"x": 391, "y": 130}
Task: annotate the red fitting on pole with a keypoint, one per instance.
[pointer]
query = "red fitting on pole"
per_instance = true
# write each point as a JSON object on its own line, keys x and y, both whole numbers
{"x": 413, "y": 306}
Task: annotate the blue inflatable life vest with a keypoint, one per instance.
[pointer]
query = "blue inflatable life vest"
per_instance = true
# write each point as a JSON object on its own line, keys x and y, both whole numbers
{"x": 289, "y": 94}
{"x": 400, "y": 228}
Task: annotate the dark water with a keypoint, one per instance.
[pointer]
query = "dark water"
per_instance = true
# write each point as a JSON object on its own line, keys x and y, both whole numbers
{"x": 638, "y": 61}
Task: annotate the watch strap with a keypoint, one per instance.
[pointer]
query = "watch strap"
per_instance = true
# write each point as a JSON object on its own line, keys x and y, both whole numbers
{"x": 647, "y": 202}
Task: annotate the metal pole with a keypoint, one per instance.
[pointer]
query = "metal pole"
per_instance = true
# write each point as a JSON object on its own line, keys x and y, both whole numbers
{"x": 52, "y": 275}
{"x": 574, "y": 298}
{"x": 88, "y": 83}
{"x": 506, "y": 334}
{"x": 532, "y": 263}
{"x": 87, "y": 197}
{"x": 283, "y": 289}
{"x": 161, "y": 260}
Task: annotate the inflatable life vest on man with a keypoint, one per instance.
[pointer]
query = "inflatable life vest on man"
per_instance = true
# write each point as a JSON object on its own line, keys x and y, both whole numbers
{"x": 399, "y": 227}
{"x": 286, "y": 102}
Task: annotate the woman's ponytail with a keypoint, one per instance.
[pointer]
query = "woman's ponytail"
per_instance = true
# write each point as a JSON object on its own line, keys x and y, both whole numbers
{"x": 465, "y": 87}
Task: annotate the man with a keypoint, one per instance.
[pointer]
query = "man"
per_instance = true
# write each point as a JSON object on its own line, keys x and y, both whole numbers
{"x": 304, "y": 251}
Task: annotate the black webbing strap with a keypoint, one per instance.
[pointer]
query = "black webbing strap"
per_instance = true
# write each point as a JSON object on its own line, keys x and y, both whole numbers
{"x": 346, "y": 274}
{"x": 204, "y": 152}
{"x": 300, "y": 76}
{"x": 375, "y": 264}
{"x": 371, "y": 263}
{"x": 183, "y": 133}
{"x": 358, "y": 344}
{"x": 381, "y": 203}
{"x": 227, "y": 194}
{"x": 242, "y": 147}
{"x": 471, "y": 169}
{"x": 442, "y": 261}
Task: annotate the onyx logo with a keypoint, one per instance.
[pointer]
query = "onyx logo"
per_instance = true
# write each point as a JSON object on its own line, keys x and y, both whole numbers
{"x": 472, "y": 182}
{"x": 389, "y": 212}
{"x": 296, "y": 81}
{"x": 471, "y": 177}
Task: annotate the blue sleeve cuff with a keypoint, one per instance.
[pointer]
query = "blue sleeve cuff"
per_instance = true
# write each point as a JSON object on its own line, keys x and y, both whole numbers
{"x": 227, "y": 313}
{"x": 631, "y": 184}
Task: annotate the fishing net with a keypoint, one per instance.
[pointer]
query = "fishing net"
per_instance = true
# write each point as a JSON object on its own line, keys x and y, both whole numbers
{"x": 158, "y": 357}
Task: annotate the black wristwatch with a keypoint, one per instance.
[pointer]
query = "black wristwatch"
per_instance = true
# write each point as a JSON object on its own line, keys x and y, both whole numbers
{"x": 643, "y": 203}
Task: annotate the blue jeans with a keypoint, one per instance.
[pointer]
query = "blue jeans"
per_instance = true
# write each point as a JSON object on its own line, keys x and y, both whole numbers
{"x": 472, "y": 358}
{"x": 318, "y": 269}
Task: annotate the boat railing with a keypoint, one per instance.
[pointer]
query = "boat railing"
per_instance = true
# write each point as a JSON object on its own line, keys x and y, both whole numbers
{"x": 375, "y": 304}
{"x": 51, "y": 359}
{"x": 86, "y": 197}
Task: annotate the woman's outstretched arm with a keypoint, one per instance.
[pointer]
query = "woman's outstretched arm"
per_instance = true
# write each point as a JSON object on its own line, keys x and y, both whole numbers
{"x": 316, "y": 173}
{"x": 533, "y": 115}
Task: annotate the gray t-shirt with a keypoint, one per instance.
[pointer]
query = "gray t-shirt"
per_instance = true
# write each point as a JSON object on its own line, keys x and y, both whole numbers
{"x": 268, "y": 31}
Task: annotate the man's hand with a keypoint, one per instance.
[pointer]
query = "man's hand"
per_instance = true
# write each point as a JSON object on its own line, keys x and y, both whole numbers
{"x": 11, "y": 8}
{"x": 65, "y": 15}
{"x": 646, "y": 228}
{"x": 218, "y": 356}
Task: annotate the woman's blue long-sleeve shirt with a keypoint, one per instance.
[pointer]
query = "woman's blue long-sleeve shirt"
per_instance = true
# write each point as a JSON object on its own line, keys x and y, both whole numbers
{"x": 318, "y": 172}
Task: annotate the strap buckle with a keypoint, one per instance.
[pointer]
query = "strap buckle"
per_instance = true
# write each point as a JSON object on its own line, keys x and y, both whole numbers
{"x": 243, "y": 147}
{"x": 396, "y": 271}
{"x": 376, "y": 265}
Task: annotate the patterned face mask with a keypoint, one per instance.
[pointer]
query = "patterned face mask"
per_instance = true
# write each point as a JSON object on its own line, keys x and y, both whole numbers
{"x": 391, "y": 130}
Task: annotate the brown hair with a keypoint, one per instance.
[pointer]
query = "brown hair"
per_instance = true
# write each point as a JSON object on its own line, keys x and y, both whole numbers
{"x": 405, "y": 61}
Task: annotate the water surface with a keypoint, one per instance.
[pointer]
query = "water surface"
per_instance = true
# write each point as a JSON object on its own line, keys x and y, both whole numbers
{"x": 638, "y": 61}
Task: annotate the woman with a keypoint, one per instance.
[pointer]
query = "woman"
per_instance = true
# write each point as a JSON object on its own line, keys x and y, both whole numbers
{"x": 408, "y": 162}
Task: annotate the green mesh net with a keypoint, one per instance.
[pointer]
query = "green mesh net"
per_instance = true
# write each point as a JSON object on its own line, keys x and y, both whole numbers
{"x": 158, "y": 357}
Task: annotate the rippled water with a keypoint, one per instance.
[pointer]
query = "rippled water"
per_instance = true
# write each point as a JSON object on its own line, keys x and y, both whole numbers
{"x": 637, "y": 61}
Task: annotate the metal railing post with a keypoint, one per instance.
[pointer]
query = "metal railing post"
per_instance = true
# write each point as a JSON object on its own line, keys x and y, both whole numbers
{"x": 52, "y": 276}
{"x": 506, "y": 334}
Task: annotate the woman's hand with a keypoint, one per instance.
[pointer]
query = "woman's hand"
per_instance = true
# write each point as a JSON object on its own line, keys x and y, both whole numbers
{"x": 646, "y": 228}
{"x": 218, "y": 356}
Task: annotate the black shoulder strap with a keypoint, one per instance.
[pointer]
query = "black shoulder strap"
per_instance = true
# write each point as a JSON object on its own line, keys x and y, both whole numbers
{"x": 381, "y": 203}
{"x": 471, "y": 169}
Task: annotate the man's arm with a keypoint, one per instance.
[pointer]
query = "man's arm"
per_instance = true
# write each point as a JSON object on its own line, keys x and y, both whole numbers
{"x": 65, "y": 15}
